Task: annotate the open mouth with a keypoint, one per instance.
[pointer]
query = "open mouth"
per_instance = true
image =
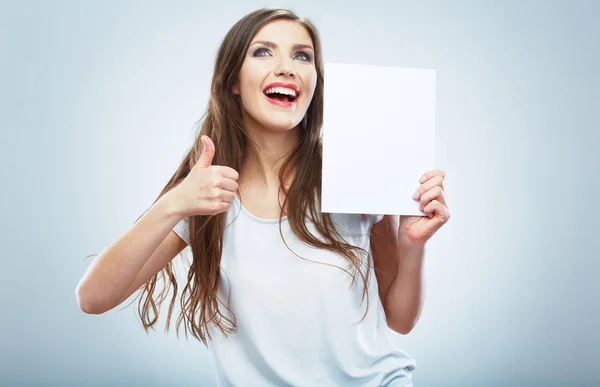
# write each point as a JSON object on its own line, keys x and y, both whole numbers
{"x": 281, "y": 94}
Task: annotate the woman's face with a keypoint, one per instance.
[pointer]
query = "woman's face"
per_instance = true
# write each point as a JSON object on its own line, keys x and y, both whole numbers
{"x": 278, "y": 77}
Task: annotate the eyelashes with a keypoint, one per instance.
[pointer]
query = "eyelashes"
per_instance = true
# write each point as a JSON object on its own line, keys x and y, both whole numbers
{"x": 259, "y": 51}
{"x": 262, "y": 52}
{"x": 306, "y": 55}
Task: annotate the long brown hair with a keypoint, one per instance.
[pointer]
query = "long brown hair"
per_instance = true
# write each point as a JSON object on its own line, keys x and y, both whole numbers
{"x": 223, "y": 123}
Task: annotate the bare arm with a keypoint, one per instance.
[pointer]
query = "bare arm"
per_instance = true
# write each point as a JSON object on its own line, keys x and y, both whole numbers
{"x": 136, "y": 256}
{"x": 150, "y": 244}
{"x": 399, "y": 273}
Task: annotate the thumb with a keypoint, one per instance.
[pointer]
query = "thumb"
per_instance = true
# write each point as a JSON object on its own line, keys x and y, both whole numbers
{"x": 208, "y": 153}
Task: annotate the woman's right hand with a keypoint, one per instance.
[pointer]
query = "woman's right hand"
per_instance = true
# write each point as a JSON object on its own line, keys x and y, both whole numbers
{"x": 207, "y": 189}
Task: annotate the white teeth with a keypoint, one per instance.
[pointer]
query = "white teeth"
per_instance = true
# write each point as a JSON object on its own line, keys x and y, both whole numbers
{"x": 281, "y": 90}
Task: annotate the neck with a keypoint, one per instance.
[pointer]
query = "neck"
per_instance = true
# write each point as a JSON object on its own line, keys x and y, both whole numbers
{"x": 266, "y": 151}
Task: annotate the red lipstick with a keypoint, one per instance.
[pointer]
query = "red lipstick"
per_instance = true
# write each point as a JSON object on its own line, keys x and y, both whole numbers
{"x": 284, "y": 85}
{"x": 280, "y": 99}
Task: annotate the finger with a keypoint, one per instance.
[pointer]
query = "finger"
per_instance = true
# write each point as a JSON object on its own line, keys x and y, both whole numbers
{"x": 218, "y": 207}
{"x": 429, "y": 184}
{"x": 227, "y": 172}
{"x": 437, "y": 210}
{"x": 227, "y": 196}
{"x": 228, "y": 184}
{"x": 208, "y": 153}
{"x": 428, "y": 175}
{"x": 435, "y": 193}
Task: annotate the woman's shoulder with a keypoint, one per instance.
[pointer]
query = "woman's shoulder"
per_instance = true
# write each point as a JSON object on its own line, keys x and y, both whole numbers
{"x": 351, "y": 222}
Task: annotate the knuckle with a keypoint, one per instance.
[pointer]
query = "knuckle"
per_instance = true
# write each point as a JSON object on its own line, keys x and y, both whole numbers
{"x": 234, "y": 173}
{"x": 216, "y": 205}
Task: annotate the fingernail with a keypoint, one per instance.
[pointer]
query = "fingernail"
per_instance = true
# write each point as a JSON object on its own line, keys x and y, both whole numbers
{"x": 422, "y": 179}
{"x": 416, "y": 195}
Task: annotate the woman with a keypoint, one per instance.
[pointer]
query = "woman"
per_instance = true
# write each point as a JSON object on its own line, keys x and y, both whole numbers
{"x": 281, "y": 293}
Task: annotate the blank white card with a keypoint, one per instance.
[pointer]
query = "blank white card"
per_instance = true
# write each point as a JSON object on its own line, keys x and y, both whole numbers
{"x": 378, "y": 137}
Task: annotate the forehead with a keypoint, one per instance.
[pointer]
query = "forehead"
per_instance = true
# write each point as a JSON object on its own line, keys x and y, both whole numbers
{"x": 284, "y": 31}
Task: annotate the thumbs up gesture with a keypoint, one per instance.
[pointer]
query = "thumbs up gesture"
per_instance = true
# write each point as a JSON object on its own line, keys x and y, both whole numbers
{"x": 208, "y": 189}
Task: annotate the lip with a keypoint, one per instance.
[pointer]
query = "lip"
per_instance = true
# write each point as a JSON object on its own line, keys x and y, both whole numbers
{"x": 287, "y": 86}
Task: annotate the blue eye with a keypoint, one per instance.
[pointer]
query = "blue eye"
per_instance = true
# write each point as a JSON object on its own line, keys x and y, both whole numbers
{"x": 263, "y": 52}
{"x": 260, "y": 52}
{"x": 304, "y": 56}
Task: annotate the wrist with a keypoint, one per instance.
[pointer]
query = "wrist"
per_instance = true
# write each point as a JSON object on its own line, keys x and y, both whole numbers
{"x": 408, "y": 244}
{"x": 411, "y": 253}
{"x": 171, "y": 204}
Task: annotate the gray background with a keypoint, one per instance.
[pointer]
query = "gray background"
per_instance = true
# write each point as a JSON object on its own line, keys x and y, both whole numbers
{"x": 98, "y": 103}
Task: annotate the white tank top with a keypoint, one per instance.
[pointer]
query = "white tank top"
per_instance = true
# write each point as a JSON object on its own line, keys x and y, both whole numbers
{"x": 298, "y": 321}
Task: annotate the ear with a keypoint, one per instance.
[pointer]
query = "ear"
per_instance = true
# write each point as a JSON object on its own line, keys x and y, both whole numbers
{"x": 235, "y": 89}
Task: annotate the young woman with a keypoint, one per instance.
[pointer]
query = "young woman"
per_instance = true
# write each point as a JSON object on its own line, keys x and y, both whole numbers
{"x": 282, "y": 294}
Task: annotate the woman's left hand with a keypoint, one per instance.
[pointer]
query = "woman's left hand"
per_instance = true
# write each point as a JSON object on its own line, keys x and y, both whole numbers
{"x": 416, "y": 230}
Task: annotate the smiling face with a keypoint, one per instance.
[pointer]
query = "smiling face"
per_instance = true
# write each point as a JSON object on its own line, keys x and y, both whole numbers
{"x": 278, "y": 76}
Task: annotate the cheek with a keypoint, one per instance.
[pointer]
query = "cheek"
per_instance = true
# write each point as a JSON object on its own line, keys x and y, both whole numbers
{"x": 311, "y": 82}
{"x": 251, "y": 78}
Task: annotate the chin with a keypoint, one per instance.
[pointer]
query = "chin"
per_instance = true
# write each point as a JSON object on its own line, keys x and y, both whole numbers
{"x": 281, "y": 125}
{"x": 279, "y": 121}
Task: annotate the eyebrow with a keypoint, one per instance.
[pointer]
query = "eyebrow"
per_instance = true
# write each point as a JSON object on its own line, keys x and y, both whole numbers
{"x": 296, "y": 46}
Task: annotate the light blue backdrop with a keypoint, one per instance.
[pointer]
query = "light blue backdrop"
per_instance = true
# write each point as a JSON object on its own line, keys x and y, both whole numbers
{"x": 98, "y": 102}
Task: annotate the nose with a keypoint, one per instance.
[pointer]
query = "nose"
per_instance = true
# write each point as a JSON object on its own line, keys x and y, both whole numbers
{"x": 285, "y": 68}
